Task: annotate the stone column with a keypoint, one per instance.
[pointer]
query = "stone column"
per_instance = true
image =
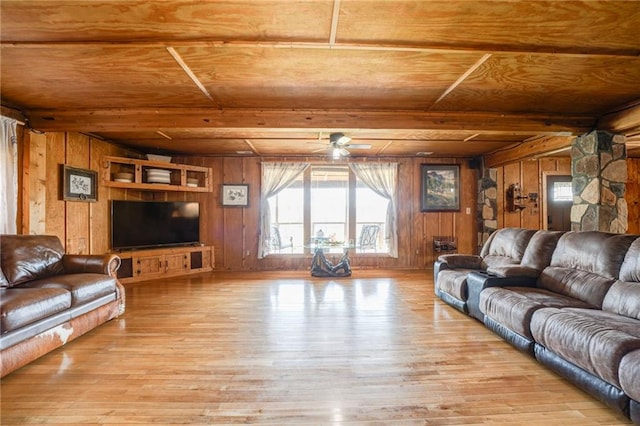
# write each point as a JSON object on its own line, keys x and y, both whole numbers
{"x": 487, "y": 205}
{"x": 599, "y": 171}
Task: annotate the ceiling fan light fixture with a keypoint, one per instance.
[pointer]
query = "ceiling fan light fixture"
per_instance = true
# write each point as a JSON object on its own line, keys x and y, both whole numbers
{"x": 335, "y": 153}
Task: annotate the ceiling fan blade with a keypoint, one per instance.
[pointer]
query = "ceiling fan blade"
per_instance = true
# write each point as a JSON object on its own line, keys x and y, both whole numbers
{"x": 320, "y": 149}
{"x": 344, "y": 152}
{"x": 358, "y": 146}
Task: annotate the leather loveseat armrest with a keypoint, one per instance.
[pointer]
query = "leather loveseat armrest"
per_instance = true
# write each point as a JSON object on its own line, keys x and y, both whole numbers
{"x": 511, "y": 271}
{"x": 478, "y": 281}
{"x": 466, "y": 261}
{"x": 107, "y": 264}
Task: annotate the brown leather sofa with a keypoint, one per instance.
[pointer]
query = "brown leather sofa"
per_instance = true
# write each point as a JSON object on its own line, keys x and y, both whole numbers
{"x": 48, "y": 298}
{"x": 580, "y": 316}
{"x": 504, "y": 247}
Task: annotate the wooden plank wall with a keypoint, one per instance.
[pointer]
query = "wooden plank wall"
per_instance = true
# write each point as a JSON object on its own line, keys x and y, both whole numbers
{"x": 84, "y": 227}
{"x": 234, "y": 231}
{"x": 529, "y": 174}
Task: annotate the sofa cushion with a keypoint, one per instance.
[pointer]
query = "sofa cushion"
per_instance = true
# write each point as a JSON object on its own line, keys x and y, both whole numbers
{"x": 23, "y": 306}
{"x": 505, "y": 246}
{"x": 577, "y": 284}
{"x": 536, "y": 257}
{"x": 623, "y": 298}
{"x": 598, "y": 252}
{"x": 630, "y": 269}
{"x": 513, "y": 307}
{"x": 630, "y": 374}
{"x": 83, "y": 287}
{"x": 591, "y": 339}
{"x": 540, "y": 249}
{"x": 585, "y": 265}
{"x": 29, "y": 257}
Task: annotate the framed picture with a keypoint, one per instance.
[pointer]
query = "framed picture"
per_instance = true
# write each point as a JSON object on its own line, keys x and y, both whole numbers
{"x": 235, "y": 195}
{"x": 79, "y": 184}
{"x": 440, "y": 188}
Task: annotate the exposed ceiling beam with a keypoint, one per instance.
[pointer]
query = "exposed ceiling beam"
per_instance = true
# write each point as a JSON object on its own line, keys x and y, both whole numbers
{"x": 533, "y": 50}
{"x": 527, "y": 150}
{"x": 100, "y": 120}
{"x": 625, "y": 121}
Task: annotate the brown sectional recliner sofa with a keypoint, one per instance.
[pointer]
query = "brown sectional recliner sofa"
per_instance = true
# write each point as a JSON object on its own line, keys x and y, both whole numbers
{"x": 48, "y": 298}
{"x": 579, "y": 315}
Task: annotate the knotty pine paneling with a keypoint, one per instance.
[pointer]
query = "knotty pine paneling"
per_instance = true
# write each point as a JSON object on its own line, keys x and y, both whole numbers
{"x": 529, "y": 173}
{"x": 37, "y": 183}
{"x": 78, "y": 234}
{"x": 99, "y": 213}
{"x": 234, "y": 233}
{"x": 512, "y": 173}
{"x": 55, "y": 213}
{"x": 531, "y": 216}
{"x": 233, "y": 217}
{"x": 81, "y": 226}
{"x": 251, "y": 216}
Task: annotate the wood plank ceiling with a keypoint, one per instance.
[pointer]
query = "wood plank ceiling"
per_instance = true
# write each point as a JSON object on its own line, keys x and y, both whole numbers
{"x": 275, "y": 77}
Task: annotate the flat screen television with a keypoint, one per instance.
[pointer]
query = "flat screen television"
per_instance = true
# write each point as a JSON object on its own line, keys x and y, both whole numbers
{"x": 146, "y": 224}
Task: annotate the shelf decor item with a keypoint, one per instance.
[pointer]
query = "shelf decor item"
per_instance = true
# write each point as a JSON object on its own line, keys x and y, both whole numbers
{"x": 160, "y": 158}
{"x": 440, "y": 188}
{"x": 79, "y": 184}
{"x": 235, "y": 195}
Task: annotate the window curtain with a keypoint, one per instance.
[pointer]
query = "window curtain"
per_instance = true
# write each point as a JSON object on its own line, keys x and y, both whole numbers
{"x": 8, "y": 175}
{"x": 382, "y": 178}
{"x": 275, "y": 177}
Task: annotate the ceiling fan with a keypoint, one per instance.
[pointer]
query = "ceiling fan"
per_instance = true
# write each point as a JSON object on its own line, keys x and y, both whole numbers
{"x": 338, "y": 144}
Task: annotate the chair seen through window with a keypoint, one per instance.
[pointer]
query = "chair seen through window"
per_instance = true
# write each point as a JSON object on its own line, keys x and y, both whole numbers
{"x": 276, "y": 240}
{"x": 368, "y": 238}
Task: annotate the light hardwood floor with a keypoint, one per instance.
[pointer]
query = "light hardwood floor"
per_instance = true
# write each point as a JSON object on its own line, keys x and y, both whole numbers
{"x": 285, "y": 348}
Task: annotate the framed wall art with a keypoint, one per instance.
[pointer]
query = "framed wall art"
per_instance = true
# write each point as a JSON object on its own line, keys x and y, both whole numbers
{"x": 440, "y": 190}
{"x": 79, "y": 184}
{"x": 235, "y": 195}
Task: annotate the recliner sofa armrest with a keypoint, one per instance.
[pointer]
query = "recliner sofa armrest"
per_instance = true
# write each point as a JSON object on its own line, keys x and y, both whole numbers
{"x": 467, "y": 261}
{"x": 478, "y": 281}
{"x": 510, "y": 271}
{"x": 107, "y": 264}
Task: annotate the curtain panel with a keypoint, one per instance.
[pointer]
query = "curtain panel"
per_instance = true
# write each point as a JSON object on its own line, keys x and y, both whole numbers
{"x": 276, "y": 176}
{"x": 8, "y": 175}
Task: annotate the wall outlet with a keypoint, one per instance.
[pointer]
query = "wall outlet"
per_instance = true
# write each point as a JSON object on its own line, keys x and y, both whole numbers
{"x": 468, "y": 210}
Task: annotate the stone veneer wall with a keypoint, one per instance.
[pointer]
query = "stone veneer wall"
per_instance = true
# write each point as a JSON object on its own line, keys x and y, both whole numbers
{"x": 599, "y": 170}
{"x": 487, "y": 205}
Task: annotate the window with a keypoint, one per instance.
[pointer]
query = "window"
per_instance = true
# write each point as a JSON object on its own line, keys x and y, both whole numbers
{"x": 329, "y": 207}
{"x": 339, "y": 206}
{"x": 562, "y": 191}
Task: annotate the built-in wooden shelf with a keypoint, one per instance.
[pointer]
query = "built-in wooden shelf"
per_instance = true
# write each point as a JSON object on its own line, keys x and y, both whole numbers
{"x": 182, "y": 177}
